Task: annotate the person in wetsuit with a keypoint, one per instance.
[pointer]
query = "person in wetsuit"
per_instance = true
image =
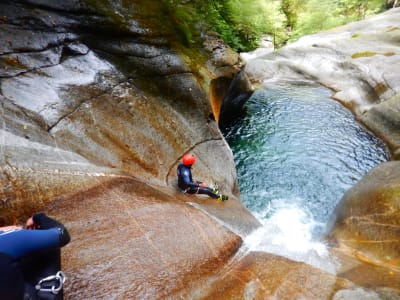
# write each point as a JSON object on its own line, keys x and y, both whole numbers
{"x": 28, "y": 255}
{"x": 186, "y": 183}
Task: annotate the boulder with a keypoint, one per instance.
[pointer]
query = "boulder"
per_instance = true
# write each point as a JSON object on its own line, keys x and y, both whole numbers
{"x": 259, "y": 275}
{"x": 366, "y": 221}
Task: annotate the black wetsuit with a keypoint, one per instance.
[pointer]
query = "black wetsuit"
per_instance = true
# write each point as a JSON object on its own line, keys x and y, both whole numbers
{"x": 187, "y": 185}
{"x": 26, "y": 256}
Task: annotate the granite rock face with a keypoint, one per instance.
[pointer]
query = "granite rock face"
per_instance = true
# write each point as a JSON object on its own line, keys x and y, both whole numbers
{"x": 367, "y": 218}
{"x": 99, "y": 100}
{"x": 90, "y": 91}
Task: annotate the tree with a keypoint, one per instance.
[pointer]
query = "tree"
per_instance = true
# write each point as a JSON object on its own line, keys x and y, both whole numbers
{"x": 242, "y": 23}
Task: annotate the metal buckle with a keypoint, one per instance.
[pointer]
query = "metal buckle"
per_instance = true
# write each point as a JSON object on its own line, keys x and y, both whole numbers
{"x": 60, "y": 277}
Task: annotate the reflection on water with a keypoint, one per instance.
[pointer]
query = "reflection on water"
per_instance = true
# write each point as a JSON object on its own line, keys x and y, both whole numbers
{"x": 297, "y": 152}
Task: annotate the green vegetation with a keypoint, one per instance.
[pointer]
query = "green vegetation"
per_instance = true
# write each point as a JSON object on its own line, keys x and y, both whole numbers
{"x": 363, "y": 54}
{"x": 393, "y": 29}
{"x": 241, "y": 23}
{"x": 370, "y": 53}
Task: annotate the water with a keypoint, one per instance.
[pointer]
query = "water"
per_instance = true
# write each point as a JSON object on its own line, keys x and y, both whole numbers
{"x": 296, "y": 152}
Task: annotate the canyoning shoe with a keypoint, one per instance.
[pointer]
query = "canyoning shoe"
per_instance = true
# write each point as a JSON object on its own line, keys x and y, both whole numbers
{"x": 222, "y": 198}
{"x": 215, "y": 189}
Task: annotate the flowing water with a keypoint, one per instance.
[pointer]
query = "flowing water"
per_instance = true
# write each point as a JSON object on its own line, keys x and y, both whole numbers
{"x": 296, "y": 152}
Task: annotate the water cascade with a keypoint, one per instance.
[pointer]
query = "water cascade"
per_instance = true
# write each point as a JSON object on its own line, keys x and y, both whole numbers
{"x": 297, "y": 151}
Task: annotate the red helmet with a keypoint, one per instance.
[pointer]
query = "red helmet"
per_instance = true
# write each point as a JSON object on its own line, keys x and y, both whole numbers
{"x": 188, "y": 159}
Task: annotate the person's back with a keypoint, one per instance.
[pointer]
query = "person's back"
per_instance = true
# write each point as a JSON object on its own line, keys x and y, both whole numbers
{"x": 185, "y": 177}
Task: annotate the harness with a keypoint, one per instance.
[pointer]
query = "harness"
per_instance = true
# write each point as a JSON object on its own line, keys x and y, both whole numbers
{"x": 51, "y": 284}
{"x": 185, "y": 191}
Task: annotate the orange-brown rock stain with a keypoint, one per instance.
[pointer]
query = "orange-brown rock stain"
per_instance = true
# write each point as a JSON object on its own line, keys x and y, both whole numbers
{"x": 141, "y": 240}
{"x": 367, "y": 229}
{"x": 24, "y": 191}
{"x": 265, "y": 276}
{"x": 380, "y": 88}
{"x": 218, "y": 89}
{"x": 363, "y": 271}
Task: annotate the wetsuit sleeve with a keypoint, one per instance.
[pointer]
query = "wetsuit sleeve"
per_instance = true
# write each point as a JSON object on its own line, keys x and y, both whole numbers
{"x": 45, "y": 222}
{"x": 22, "y": 242}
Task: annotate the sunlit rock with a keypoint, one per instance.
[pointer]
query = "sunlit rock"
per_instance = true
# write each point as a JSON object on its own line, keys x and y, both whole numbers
{"x": 384, "y": 120}
{"x": 259, "y": 275}
{"x": 377, "y": 278}
{"x": 266, "y": 46}
{"x": 34, "y": 169}
{"x": 356, "y": 293}
{"x": 366, "y": 221}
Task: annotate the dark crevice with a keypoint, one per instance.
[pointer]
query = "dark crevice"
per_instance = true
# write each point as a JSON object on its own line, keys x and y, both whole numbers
{"x": 82, "y": 11}
{"x": 81, "y": 103}
{"x": 173, "y": 74}
{"x": 50, "y": 46}
{"x": 64, "y": 54}
{"x": 127, "y": 55}
{"x": 29, "y": 71}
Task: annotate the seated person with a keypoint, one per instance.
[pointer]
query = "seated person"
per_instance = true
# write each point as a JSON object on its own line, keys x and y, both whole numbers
{"x": 186, "y": 183}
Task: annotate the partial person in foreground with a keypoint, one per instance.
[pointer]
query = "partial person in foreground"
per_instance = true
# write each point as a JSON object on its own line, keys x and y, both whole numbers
{"x": 188, "y": 186}
{"x": 30, "y": 259}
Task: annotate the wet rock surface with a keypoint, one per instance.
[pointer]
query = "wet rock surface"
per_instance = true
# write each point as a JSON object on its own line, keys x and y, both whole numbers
{"x": 384, "y": 120}
{"x": 98, "y": 104}
{"x": 367, "y": 218}
{"x": 106, "y": 86}
{"x": 260, "y": 275}
{"x": 92, "y": 98}
{"x": 131, "y": 241}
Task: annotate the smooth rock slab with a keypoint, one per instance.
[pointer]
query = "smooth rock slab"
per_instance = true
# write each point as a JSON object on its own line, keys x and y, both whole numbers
{"x": 131, "y": 241}
{"x": 367, "y": 219}
{"x": 259, "y": 275}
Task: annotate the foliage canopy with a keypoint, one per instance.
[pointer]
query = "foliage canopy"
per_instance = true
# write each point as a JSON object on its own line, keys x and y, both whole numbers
{"x": 242, "y": 23}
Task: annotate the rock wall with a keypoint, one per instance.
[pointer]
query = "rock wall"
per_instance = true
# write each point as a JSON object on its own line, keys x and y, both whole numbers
{"x": 92, "y": 90}
{"x": 99, "y": 100}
